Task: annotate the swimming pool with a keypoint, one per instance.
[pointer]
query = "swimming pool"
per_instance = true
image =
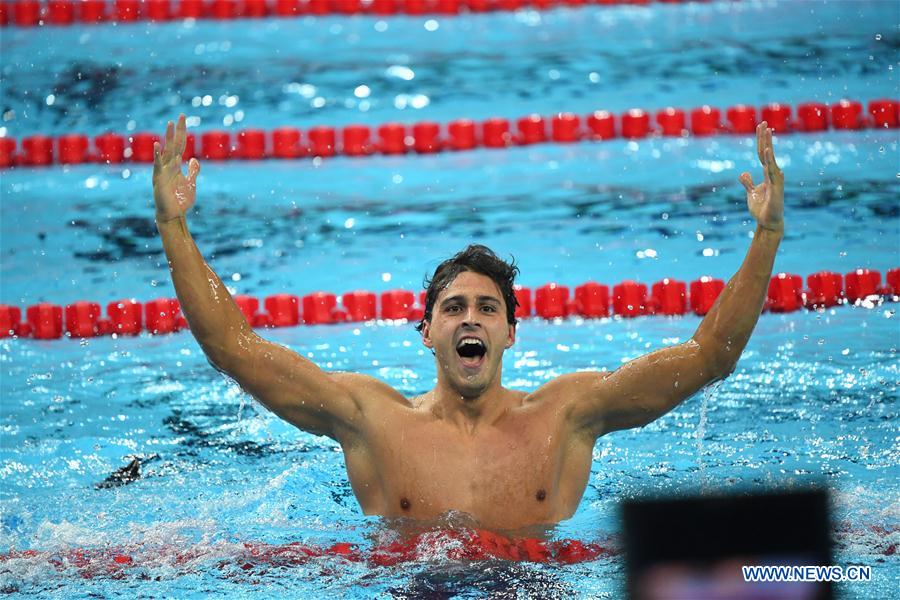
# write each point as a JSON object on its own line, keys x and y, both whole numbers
{"x": 814, "y": 397}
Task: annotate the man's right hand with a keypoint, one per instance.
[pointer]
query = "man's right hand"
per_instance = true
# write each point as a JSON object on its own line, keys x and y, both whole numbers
{"x": 173, "y": 192}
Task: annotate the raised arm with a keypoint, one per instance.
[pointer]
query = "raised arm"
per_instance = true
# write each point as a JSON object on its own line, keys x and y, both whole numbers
{"x": 648, "y": 387}
{"x": 288, "y": 384}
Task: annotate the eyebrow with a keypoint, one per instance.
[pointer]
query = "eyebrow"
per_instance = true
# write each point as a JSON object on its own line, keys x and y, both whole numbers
{"x": 460, "y": 298}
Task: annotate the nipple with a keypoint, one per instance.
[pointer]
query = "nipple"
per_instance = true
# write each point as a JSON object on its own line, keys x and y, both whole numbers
{"x": 541, "y": 494}
{"x": 404, "y": 503}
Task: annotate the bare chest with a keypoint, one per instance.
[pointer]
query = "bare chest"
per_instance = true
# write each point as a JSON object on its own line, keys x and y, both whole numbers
{"x": 505, "y": 476}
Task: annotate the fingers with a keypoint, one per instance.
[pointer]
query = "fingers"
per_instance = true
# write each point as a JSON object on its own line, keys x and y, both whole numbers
{"x": 170, "y": 137}
{"x": 193, "y": 171}
{"x": 772, "y": 170}
{"x": 156, "y": 160}
{"x": 761, "y": 142}
{"x": 175, "y": 142}
{"x": 747, "y": 181}
{"x": 181, "y": 135}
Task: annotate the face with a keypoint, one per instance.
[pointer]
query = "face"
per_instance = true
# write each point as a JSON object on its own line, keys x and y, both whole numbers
{"x": 468, "y": 333}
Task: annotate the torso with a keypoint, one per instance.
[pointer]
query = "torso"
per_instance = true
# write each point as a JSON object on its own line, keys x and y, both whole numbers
{"x": 525, "y": 470}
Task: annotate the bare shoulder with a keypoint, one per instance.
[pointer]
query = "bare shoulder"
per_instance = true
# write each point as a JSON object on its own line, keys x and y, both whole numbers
{"x": 567, "y": 387}
{"x": 566, "y": 393}
{"x": 366, "y": 389}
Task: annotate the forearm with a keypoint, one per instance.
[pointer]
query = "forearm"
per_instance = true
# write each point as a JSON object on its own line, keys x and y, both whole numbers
{"x": 215, "y": 319}
{"x": 724, "y": 333}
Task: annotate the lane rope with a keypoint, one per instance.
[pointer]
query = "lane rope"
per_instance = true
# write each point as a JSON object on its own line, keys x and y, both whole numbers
{"x": 429, "y": 137}
{"x": 628, "y": 299}
{"x": 257, "y": 557}
{"x": 33, "y": 13}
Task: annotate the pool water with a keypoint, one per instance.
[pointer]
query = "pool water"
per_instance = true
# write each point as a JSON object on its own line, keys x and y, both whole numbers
{"x": 814, "y": 399}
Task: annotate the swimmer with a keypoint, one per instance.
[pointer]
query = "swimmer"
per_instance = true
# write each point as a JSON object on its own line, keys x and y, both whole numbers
{"x": 509, "y": 459}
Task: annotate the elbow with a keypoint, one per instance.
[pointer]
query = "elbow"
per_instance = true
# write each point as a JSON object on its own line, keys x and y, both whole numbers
{"x": 719, "y": 360}
{"x": 216, "y": 363}
{"x": 722, "y": 372}
{"x": 224, "y": 356}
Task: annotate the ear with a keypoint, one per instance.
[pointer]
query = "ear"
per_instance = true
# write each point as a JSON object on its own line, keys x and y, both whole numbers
{"x": 511, "y": 338}
{"x": 426, "y": 335}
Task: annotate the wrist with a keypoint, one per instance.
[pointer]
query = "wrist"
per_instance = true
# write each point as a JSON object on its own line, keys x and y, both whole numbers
{"x": 162, "y": 220}
{"x": 772, "y": 232}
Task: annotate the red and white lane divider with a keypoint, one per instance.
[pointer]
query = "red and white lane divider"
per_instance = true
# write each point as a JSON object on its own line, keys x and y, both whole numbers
{"x": 427, "y": 137}
{"x": 33, "y": 13}
{"x": 551, "y": 301}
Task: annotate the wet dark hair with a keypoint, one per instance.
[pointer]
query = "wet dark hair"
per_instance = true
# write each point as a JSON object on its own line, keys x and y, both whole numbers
{"x": 478, "y": 259}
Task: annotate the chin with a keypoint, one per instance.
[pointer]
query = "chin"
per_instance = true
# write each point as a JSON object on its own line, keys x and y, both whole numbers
{"x": 470, "y": 390}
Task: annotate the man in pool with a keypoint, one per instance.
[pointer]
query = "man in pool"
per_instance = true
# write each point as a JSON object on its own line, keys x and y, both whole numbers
{"x": 509, "y": 459}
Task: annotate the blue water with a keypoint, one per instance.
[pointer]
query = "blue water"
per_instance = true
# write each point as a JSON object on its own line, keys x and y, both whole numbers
{"x": 813, "y": 399}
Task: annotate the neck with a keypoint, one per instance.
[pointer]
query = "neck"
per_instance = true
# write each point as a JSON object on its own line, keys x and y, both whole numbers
{"x": 467, "y": 411}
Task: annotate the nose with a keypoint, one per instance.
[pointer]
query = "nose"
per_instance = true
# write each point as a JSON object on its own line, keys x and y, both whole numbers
{"x": 471, "y": 319}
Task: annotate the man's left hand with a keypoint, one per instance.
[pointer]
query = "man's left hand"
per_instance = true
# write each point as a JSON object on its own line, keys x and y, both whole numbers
{"x": 766, "y": 200}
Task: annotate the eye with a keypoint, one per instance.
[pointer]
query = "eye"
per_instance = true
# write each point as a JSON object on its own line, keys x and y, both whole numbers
{"x": 452, "y": 308}
{"x": 489, "y": 308}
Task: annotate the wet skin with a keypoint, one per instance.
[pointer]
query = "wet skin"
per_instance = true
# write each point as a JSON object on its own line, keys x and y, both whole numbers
{"x": 508, "y": 459}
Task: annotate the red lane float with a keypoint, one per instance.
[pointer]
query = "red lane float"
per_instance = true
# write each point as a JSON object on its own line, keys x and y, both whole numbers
{"x": 668, "y": 297}
{"x": 161, "y": 316}
{"x": 428, "y": 137}
{"x": 461, "y": 134}
{"x": 395, "y": 304}
{"x": 322, "y": 141}
{"x": 110, "y": 148}
{"x": 45, "y": 321}
{"x": 32, "y": 13}
{"x": 392, "y": 138}
{"x": 283, "y": 310}
{"x": 812, "y": 116}
{"x": 602, "y": 125}
{"x": 126, "y": 317}
{"x": 523, "y": 301}
{"x": 705, "y": 120}
{"x": 704, "y": 292}
{"x": 785, "y": 293}
{"x": 630, "y": 299}
{"x": 551, "y": 301}
{"x": 360, "y": 306}
{"x": 671, "y": 122}
{"x": 532, "y": 130}
{"x": 356, "y": 140}
{"x": 565, "y": 127}
{"x": 495, "y": 133}
{"x": 778, "y": 116}
{"x": 592, "y": 300}
{"x": 286, "y": 143}
{"x": 83, "y": 319}
{"x": 862, "y": 284}
{"x": 635, "y": 124}
{"x": 825, "y": 289}
{"x": 319, "y": 308}
{"x": 741, "y": 119}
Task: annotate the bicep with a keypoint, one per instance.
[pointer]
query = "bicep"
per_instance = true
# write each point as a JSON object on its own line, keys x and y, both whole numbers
{"x": 291, "y": 386}
{"x": 641, "y": 390}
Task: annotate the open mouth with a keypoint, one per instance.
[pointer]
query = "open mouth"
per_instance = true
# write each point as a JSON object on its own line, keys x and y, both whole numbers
{"x": 471, "y": 351}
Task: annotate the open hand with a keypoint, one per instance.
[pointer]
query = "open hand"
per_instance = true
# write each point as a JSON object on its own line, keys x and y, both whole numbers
{"x": 766, "y": 200}
{"x": 173, "y": 193}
